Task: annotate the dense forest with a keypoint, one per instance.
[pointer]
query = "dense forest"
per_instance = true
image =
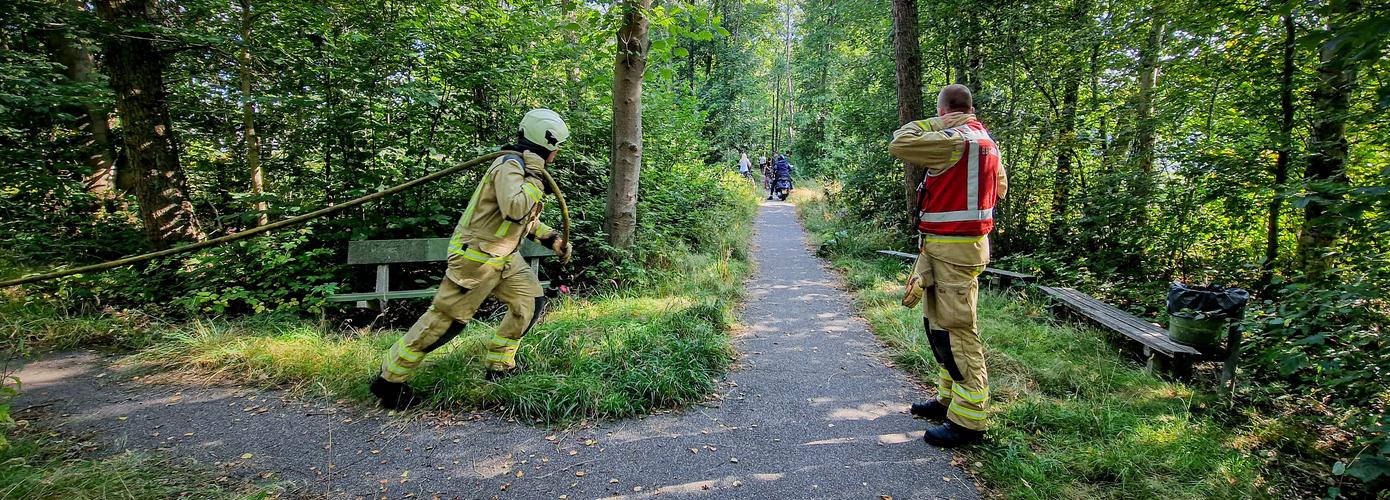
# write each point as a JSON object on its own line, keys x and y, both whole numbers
{"x": 275, "y": 109}
{"x": 1243, "y": 143}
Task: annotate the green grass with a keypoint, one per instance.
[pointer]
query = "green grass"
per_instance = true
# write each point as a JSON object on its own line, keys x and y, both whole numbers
{"x": 31, "y": 327}
{"x": 1071, "y": 417}
{"x": 44, "y": 466}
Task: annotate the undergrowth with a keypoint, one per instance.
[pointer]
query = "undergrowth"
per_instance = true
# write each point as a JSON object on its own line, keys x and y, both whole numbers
{"x": 1071, "y": 418}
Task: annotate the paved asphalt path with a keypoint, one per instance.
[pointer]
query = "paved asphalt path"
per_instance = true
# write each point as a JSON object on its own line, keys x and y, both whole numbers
{"x": 811, "y": 411}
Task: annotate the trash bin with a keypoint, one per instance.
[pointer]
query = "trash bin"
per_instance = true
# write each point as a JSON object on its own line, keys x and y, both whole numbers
{"x": 1198, "y": 313}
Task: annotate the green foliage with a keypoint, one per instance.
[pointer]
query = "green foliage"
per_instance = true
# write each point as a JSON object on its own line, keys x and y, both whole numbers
{"x": 9, "y": 389}
{"x": 287, "y": 271}
{"x": 349, "y": 99}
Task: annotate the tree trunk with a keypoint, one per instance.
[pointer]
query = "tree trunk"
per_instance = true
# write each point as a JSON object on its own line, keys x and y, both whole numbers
{"x": 1061, "y": 188}
{"x": 136, "y": 70}
{"x": 631, "y": 63}
{"x": 248, "y": 117}
{"x": 98, "y": 152}
{"x": 1281, "y": 163}
{"x": 1327, "y": 146}
{"x": 576, "y": 88}
{"x": 907, "y": 56}
{"x": 1148, "y": 78}
{"x": 776, "y": 114}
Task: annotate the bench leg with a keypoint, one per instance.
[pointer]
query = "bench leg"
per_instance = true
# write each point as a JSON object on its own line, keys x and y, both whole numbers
{"x": 1179, "y": 367}
{"x": 1155, "y": 363}
{"x": 1228, "y": 369}
{"x": 383, "y": 284}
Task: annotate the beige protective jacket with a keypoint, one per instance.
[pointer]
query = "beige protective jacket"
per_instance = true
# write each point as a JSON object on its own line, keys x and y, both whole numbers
{"x": 505, "y": 207}
{"x": 931, "y": 144}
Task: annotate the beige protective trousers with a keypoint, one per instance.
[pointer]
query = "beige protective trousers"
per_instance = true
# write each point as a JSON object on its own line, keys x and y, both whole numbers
{"x": 467, "y": 283}
{"x": 949, "y": 268}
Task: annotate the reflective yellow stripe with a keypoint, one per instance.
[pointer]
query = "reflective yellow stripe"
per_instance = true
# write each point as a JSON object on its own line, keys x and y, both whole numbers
{"x": 934, "y": 238}
{"x": 924, "y": 125}
{"x": 476, "y": 256}
{"x": 473, "y": 201}
{"x": 965, "y": 412}
{"x": 973, "y": 397}
{"x": 397, "y": 369}
{"x": 543, "y": 231}
{"x": 500, "y": 341}
{"x": 405, "y": 352}
{"x": 502, "y": 229}
{"x": 497, "y": 357}
{"x": 532, "y": 191}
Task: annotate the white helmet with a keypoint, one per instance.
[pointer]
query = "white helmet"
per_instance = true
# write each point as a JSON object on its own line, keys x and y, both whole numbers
{"x": 544, "y": 128}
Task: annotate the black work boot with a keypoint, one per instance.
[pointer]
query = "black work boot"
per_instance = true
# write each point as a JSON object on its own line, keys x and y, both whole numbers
{"x": 950, "y": 435}
{"x": 931, "y": 409}
{"x": 495, "y": 375}
{"x": 394, "y": 395}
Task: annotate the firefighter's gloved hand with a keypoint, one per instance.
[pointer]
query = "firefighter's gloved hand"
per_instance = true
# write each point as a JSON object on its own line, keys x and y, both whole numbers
{"x": 563, "y": 249}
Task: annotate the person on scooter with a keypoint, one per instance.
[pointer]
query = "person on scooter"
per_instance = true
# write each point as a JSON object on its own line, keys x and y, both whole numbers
{"x": 782, "y": 178}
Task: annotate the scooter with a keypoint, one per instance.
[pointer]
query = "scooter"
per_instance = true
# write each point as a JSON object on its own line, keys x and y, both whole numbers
{"x": 782, "y": 188}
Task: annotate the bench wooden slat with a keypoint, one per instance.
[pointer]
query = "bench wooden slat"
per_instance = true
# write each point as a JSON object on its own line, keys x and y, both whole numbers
{"x": 1124, "y": 323}
{"x": 419, "y": 250}
{"x": 988, "y": 270}
{"x": 1009, "y": 274}
{"x": 900, "y": 255}
{"x": 392, "y": 295}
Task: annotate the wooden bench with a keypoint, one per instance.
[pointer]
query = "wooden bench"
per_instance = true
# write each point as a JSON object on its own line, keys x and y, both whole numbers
{"x": 384, "y": 253}
{"x": 1163, "y": 355}
{"x": 994, "y": 277}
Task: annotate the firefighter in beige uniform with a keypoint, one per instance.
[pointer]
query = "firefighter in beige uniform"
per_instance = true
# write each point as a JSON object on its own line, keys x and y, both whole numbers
{"x": 956, "y": 203}
{"x": 484, "y": 260}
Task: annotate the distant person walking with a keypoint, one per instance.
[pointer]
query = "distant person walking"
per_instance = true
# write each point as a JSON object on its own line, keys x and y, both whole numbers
{"x": 744, "y": 165}
{"x": 766, "y": 167}
{"x": 955, "y": 204}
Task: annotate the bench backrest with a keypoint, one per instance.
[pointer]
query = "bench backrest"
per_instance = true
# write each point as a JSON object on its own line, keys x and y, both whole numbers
{"x": 419, "y": 250}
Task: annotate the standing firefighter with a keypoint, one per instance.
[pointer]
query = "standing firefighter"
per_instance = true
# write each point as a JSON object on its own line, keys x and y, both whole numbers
{"x": 484, "y": 260}
{"x": 956, "y": 213}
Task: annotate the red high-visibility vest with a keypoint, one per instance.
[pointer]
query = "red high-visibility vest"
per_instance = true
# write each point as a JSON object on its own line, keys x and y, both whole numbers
{"x": 960, "y": 200}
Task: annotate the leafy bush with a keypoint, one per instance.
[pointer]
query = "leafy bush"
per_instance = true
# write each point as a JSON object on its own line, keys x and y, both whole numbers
{"x": 1326, "y": 344}
{"x": 286, "y": 271}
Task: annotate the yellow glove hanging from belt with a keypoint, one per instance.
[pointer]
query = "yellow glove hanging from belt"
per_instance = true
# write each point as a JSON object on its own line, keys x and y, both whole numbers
{"x": 918, "y": 282}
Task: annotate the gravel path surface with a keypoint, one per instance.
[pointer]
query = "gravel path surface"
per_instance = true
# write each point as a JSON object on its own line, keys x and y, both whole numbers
{"x": 811, "y": 411}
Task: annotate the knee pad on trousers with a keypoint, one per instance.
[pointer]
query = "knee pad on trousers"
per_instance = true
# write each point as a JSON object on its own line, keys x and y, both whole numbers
{"x": 536, "y": 312}
{"x": 449, "y": 334}
{"x": 940, "y": 341}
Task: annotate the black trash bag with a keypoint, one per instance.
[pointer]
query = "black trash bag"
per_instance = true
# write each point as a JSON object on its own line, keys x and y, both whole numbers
{"x": 1212, "y": 301}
